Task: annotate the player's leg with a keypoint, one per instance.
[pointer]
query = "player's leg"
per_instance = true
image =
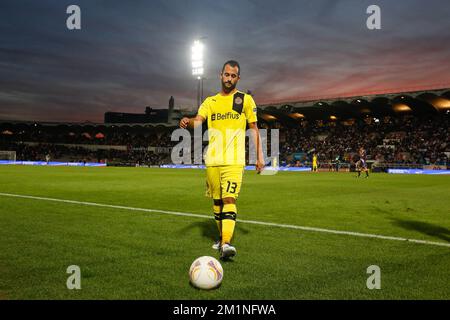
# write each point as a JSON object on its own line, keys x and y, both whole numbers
{"x": 358, "y": 168}
{"x": 228, "y": 219}
{"x": 231, "y": 179}
{"x": 228, "y": 225}
{"x": 213, "y": 190}
{"x": 217, "y": 208}
{"x": 364, "y": 167}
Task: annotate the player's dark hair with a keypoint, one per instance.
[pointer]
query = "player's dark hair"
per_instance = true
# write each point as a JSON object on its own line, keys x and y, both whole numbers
{"x": 232, "y": 63}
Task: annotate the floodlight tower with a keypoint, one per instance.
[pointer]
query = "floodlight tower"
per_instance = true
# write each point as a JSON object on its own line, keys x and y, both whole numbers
{"x": 198, "y": 68}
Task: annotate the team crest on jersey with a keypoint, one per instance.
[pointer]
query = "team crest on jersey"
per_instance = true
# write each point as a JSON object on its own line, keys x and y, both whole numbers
{"x": 238, "y": 102}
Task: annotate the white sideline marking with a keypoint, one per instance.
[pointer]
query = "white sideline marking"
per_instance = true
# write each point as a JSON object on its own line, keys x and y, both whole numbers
{"x": 185, "y": 214}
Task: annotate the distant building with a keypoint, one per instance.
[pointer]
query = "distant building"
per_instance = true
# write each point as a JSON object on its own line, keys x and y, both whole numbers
{"x": 150, "y": 115}
{"x": 171, "y": 106}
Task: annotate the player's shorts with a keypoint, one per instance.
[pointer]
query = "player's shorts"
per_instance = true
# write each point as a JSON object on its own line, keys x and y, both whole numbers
{"x": 360, "y": 164}
{"x": 223, "y": 181}
{"x": 363, "y": 163}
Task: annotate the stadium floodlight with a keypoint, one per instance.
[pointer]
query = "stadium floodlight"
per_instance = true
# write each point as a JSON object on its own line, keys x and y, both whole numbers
{"x": 197, "y": 59}
{"x": 198, "y": 67}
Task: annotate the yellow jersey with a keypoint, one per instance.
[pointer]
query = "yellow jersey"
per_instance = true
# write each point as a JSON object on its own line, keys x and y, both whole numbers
{"x": 227, "y": 118}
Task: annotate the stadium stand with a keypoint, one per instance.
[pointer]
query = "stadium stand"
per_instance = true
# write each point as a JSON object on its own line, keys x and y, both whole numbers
{"x": 401, "y": 130}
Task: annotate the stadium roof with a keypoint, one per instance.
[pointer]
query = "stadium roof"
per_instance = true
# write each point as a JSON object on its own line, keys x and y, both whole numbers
{"x": 377, "y": 105}
{"x": 82, "y": 124}
{"x": 419, "y": 103}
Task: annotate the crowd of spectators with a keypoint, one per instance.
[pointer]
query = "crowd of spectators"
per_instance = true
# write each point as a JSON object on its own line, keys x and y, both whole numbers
{"x": 402, "y": 140}
{"x": 133, "y": 136}
{"x": 399, "y": 140}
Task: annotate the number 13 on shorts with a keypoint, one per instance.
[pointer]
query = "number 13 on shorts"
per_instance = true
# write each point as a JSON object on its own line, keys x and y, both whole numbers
{"x": 224, "y": 181}
{"x": 231, "y": 187}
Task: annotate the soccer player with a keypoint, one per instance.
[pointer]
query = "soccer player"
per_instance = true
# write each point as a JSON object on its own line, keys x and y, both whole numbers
{"x": 337, "y": 163}
{"x": 361, "y": 164}
{"x": 314, "y": 162}
{"x": 228, "y": 113}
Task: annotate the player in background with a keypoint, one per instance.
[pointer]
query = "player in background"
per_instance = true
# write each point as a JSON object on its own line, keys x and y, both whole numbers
{"x": 337, "y": 163}
{"x": 361, "y": 164}
{"x": 314, "y": 162}
{"x": 228, "y": 114}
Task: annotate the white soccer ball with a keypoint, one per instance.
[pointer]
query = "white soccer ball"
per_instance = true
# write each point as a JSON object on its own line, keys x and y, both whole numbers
{"x": 206, "y": 273}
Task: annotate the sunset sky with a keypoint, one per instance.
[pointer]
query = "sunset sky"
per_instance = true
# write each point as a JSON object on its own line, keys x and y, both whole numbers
{"x": 133, "y": 54}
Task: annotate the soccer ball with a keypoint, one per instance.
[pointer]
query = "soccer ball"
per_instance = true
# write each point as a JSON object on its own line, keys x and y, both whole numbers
{"x": 206, "y": 273}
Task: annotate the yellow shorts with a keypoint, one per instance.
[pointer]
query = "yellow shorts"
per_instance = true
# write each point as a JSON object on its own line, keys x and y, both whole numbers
{"x": 223, "y": 181}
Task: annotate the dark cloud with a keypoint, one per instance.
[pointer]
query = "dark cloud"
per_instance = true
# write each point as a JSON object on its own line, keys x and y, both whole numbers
{"x": 129, "y": 55}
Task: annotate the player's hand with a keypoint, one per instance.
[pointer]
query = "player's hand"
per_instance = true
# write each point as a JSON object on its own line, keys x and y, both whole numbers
{"x": 184, "y": 122}
{"x": 259, "y": 166}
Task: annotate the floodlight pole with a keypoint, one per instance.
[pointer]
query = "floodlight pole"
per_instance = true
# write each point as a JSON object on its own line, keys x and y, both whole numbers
{"x": 201, "y": 96}
{"x": 198, "y": 92}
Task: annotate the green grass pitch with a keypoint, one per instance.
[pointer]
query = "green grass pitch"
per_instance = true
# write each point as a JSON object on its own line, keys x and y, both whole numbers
{"x": 125, "y": 254}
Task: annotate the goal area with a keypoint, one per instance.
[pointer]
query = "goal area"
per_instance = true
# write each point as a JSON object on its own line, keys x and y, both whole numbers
{"x": 7, "y": 155}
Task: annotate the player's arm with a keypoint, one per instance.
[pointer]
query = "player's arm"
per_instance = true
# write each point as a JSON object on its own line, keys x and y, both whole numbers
{"x": 259, "y": 154}
{"x": 191, "y": 122}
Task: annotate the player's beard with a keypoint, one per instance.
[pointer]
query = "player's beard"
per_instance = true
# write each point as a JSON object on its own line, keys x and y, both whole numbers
{"x": 228, "y": 89}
